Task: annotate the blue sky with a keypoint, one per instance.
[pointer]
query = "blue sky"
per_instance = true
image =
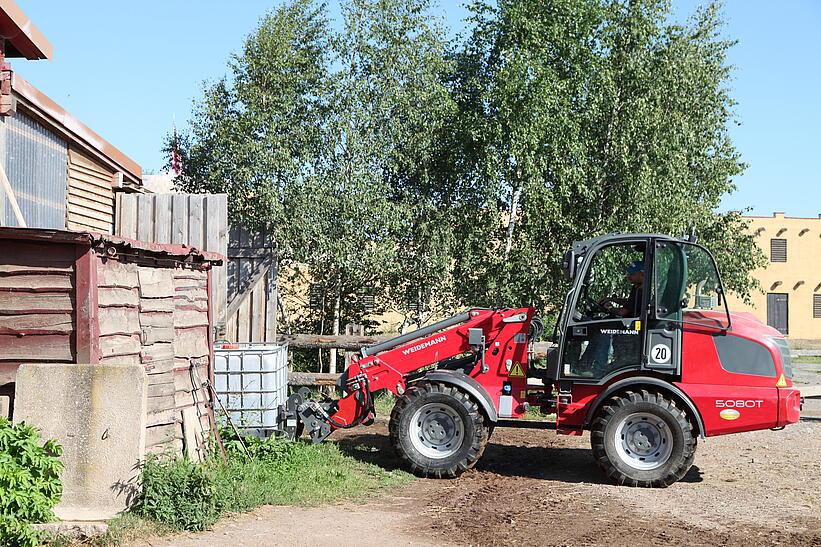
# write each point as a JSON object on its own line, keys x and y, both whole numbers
{"x": 126, "y": 69}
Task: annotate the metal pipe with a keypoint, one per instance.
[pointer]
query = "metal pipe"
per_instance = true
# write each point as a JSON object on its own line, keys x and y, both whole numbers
{"x": 430, "y": 329}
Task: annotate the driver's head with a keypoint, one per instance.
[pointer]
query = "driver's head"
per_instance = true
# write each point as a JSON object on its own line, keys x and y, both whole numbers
{"x": 635, "y": 272}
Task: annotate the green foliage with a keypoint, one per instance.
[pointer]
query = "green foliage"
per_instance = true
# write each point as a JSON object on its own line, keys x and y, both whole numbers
{"x": 431, "y": 175}
{"x": 188, "y": 496}
{"x": 178, "y": 493}
{"x": 29, "y": 482}
{"x": 587, "y": 117}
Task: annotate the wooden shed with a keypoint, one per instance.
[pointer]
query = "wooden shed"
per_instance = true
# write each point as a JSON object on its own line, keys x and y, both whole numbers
{"x": 81, "y": 297}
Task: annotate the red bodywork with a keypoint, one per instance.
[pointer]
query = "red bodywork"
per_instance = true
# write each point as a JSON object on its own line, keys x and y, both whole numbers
{"x": 726, "y": 402}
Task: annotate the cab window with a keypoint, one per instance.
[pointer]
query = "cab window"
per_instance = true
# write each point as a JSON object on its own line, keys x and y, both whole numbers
{"x": 687, "y": 287}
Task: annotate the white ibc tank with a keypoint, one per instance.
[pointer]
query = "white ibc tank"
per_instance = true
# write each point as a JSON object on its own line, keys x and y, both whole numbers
{"x": 251, "y": 381}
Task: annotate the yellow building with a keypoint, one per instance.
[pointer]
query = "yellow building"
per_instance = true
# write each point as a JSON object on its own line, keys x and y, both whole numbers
{"x": 790, "y": 296}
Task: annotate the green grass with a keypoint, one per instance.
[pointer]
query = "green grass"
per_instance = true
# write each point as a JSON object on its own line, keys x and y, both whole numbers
{"x": 807, "y": 360}
{"x": 180, "y": 495}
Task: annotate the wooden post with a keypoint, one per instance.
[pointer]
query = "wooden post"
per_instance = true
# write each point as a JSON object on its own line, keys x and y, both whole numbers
{"x": 86, "y": 307}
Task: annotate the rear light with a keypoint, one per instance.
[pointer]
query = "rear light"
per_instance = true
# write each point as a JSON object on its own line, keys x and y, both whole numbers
{"x": 229, "y": 346}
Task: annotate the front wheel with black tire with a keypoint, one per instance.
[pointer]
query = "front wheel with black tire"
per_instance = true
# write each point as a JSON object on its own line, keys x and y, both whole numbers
{"x": 642, "y": 438}
{"x": 438, "y": 430}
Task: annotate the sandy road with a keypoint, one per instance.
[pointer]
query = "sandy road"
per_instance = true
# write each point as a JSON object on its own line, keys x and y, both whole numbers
{"x": 535, "y": 488}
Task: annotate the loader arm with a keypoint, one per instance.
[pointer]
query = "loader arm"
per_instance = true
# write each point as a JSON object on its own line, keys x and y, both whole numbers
{"x": 479, "y": 343}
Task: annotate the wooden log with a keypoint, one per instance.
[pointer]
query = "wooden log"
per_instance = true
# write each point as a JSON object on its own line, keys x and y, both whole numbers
{"x": 121, "y": 360}
{"x": 191, "y": 342}
{"x": 157, "y": 353}
{"x": 186, "y": 318}
{"x": 312, "y": 379}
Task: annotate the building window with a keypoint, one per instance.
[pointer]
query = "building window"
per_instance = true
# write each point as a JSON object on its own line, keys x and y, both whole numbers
{"x": 778, "y": 250}
{"x": 316, "y": 294}
{"x": 368, "y": 302}
{"x": 816, "y": 306}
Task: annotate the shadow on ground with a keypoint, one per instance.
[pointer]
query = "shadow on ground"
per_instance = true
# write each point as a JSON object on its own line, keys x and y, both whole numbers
{"x": 561, "y": 464}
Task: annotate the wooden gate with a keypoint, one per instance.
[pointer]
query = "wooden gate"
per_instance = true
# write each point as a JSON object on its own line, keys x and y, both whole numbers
{"x": 196, "y": 220}
{"x": 252, "y": 288}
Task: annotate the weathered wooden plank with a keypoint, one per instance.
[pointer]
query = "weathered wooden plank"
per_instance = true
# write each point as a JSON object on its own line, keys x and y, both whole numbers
{"x": 38, "y": 254}
{"x": 116, "y": 345}
{"x": 199, "y": 305}
{"x": 157, "y": 305}
{"x": 196, "y": 211}
{"x": 121, "y": 360}
{"x": 161, "y": 390}
{"x": 46, "y": 323}
{"x": 39, "y": 269}
{"x": 119, "y": 320}
{"x": 25, "y": 303}
{"x": 32, "y": 349}
{"x": 157, "y": 319}
{"x": 190, "y": 318}
{"x": 165, "y": 416}
{"x": 179, "y": 223}
{"x": 156, "y": 282}
{"x": 145, "y": 217}
{"x": 117, "y": 296}
{"x": 113, "y": 273}
{"x": 91, "y": 221}
{"x": 36, "y": 283}
{"x": 165, "y": 434}
{"x": 154, "y": 335}
{"x": 162, "y": 218}
{"x": 191, "y": 294}
{"x": 191, "y": 342}
{"x": 160, "y": 366}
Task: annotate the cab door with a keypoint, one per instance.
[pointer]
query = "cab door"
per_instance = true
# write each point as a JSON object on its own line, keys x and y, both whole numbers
{"x": 603, "y": 332}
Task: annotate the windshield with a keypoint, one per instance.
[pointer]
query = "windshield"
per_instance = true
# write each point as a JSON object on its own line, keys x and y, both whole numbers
{"x": 687, "y": 285}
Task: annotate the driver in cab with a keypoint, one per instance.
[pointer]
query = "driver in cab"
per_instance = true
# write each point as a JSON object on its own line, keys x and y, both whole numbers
{"x": 596, "y": 356}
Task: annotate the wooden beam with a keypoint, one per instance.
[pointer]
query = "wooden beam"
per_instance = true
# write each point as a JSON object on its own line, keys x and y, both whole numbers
{"x": 312, "y": 379}
{"x": 86, "y": 307}
{"x": 244, "y": 292}
{"x": 6, "y": 185}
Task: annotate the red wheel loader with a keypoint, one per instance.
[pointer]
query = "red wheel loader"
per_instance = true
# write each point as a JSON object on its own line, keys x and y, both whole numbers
{"x": 647, "y": 357}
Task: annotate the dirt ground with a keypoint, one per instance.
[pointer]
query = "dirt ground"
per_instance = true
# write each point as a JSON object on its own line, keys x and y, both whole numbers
{"x": 533, "y": 487}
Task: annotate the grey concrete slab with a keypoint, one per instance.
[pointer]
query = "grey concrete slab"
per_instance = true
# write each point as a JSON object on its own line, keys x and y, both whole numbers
{"x": 98, "y": 414}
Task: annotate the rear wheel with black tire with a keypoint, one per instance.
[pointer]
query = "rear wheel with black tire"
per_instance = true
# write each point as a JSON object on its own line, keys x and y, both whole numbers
{"x": 642, "y": 438}
{"x": 438, "y": 430}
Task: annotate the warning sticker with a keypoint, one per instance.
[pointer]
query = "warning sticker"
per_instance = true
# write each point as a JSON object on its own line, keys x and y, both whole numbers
{"x": 516, "y": 371}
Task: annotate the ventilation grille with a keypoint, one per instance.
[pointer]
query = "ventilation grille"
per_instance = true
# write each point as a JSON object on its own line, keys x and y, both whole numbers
{"x": 778, "y": 250}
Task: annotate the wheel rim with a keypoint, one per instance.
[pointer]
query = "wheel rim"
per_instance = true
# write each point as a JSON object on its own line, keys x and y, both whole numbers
{"x": 436, "y": 430}
{"x": 643, "y": 441}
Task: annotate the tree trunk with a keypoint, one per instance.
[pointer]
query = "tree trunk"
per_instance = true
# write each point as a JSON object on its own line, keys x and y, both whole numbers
{"x": 336, "y": 319}
{"x": 511, "y": 223}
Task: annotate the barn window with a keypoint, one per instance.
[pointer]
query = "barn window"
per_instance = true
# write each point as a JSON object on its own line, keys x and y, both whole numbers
{"x": 816, "y": 306}
{"x": 778, "y": 250}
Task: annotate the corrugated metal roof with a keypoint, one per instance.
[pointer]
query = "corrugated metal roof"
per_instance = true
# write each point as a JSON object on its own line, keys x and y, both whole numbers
{"x": 181, "y": 252}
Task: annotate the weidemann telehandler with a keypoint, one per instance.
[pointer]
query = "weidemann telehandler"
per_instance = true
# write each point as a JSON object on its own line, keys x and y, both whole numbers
{"x": 648, "y": 358}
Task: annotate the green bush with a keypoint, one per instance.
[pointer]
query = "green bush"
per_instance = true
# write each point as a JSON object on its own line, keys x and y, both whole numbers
{"x": 178, "y": 493}
{"x": 29, "y": 482}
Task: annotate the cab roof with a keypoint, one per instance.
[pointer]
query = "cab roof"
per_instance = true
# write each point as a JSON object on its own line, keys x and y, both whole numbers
{"x": 581, "y": 247}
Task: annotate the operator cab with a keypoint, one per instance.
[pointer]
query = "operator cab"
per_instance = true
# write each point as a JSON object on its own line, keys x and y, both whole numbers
{"x": 630, "y": 296}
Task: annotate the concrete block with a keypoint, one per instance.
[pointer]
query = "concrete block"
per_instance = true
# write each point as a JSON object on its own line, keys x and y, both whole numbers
{"x": 98, "y": 414}
{"x": 5, "y": 406}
